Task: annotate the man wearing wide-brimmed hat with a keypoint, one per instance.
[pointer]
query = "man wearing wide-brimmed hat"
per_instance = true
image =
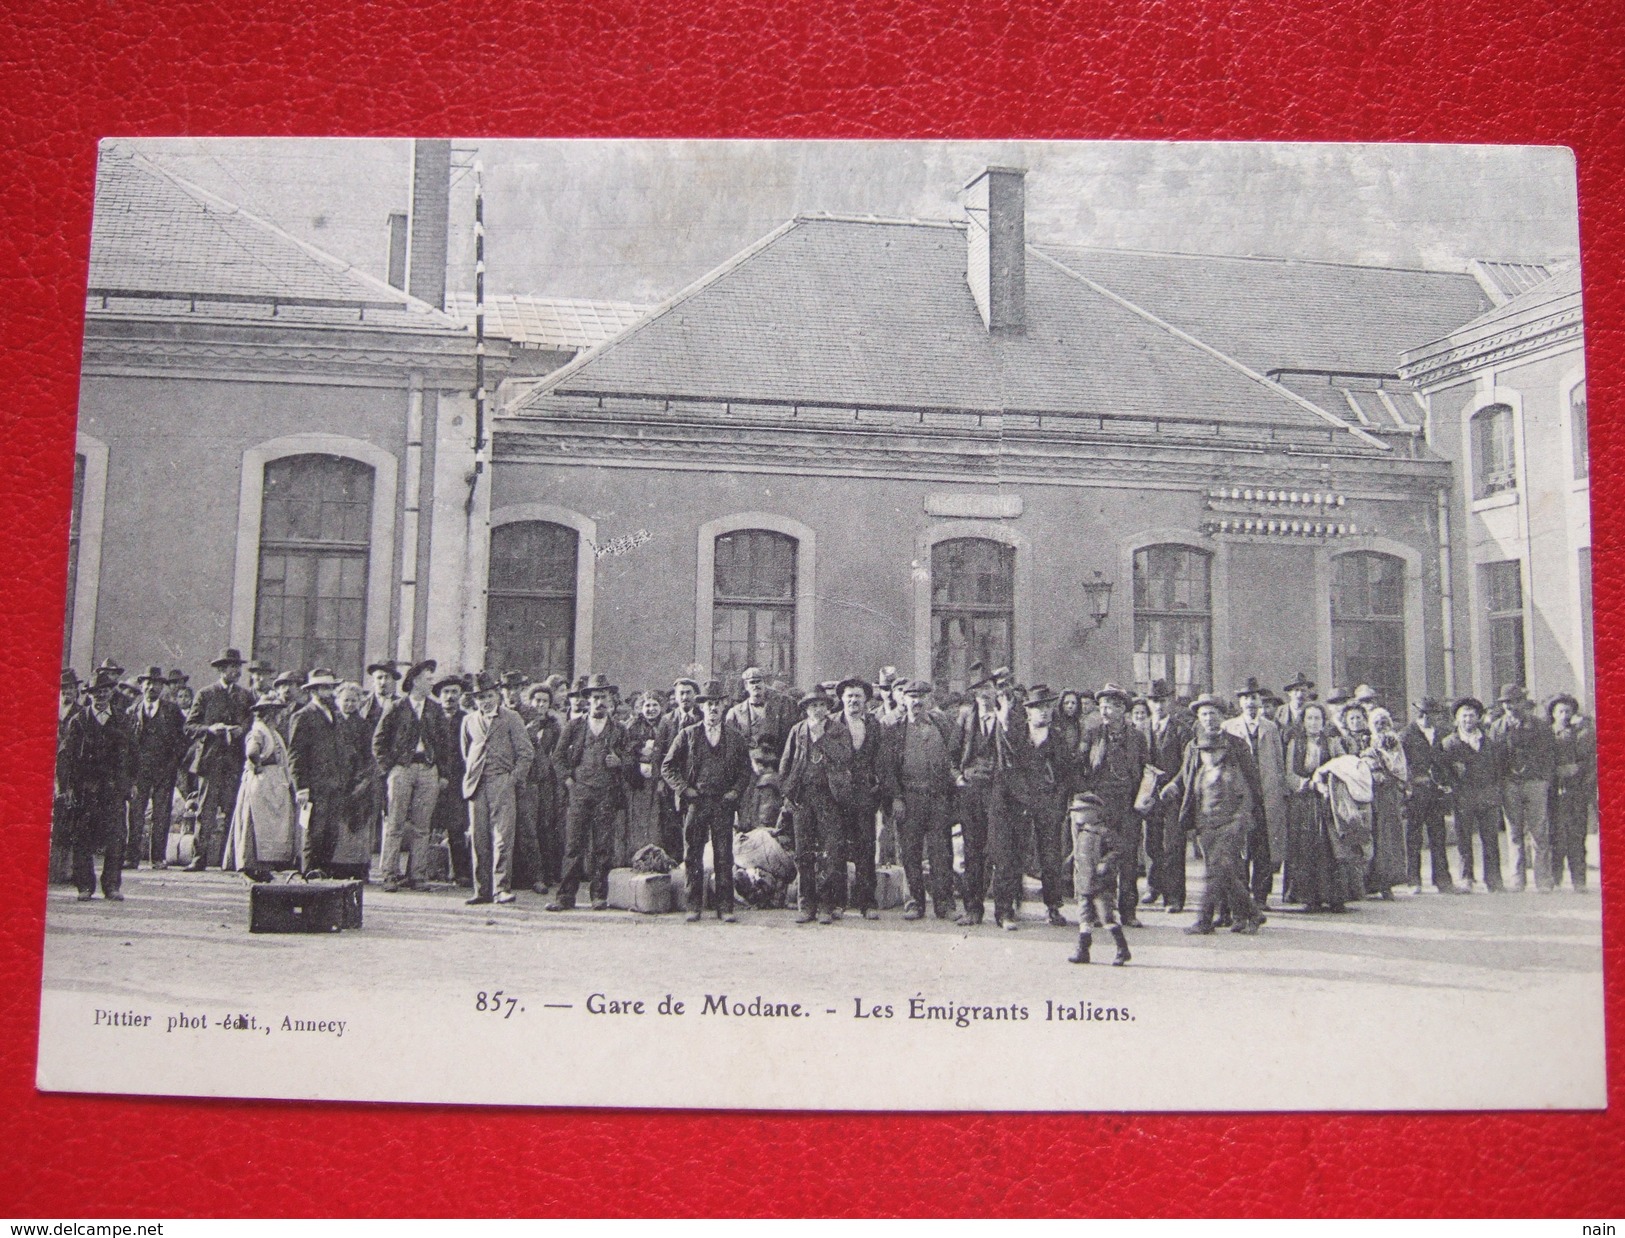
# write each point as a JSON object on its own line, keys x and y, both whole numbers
{"x": 1289, "y": 715}
{"x": 683, "y": 712}
{"x": 219, "y": 719}
{"x": 1574, "y": 788}
{"x": 497, "y": 753}
{"x": 591, "y": 759}
{"x": 708, "y": 769}
{"x": 1425, "y": 803}
{"x": 1216, "y": 792}
{"x": 158, "y": 737}
{"x": 100, "y": 768}
{"x": 1113, "y": 766}
{"x": 816, "y": 774}
{"x": 985, "y": 743}
{"x": 854, "y": 696}
{"x": 450, "y": 806}
{"x": 412, "y": 745}
{"x": 1475, "y": 784}
{"x": 1527, "y": 762}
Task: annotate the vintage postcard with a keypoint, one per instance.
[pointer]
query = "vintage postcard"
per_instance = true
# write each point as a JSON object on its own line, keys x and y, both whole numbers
{"x": 862, "y": 625}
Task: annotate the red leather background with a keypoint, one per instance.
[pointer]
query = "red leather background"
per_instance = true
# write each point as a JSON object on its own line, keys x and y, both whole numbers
{"x": 74, "y": 70}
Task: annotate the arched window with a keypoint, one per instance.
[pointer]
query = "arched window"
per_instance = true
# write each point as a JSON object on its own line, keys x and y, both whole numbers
{"x": 1494, "y": 462}
{"x": 1368, "y": 625}
{"x": 753, "y": 604}
{"x": 76, "y": 519}
{"x": 973, "y": 589}
{"x": 531, "y": 616}
{"x": 1173, "y": 618}
{"x": 315, "y": 545}
{"x": 1578, "y": 428}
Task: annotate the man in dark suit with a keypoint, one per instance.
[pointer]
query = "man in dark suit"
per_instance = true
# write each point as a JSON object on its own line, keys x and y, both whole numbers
{"x": 321, "y": 763}
{"x": 62, "y": 801}
{"x": 1113, "y": 763}
{"x": 219, "y": 719}
{"x": 1424, "y": 795}
{"x": 99, "y": 767}
{"x": 1046, "y": 772}
{"x": 708, "y": 769}
{"x": 158, "y": 734}
{"x": 412, "y": 745}
{"x": 684, "y": 712}
{"x": 1170, "y": 732}
{"x": 985, "y": 745}
{"x": 451, "y": 808}
{"x": 816, "y": 775}
{"x": 1472, "y": 760}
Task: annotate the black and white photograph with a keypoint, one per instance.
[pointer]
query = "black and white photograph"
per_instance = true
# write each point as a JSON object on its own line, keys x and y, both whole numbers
{"x": 998, "y": 625}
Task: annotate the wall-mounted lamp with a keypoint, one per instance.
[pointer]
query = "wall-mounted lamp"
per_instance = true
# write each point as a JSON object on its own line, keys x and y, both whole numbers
{"x": 1097, "y": 594}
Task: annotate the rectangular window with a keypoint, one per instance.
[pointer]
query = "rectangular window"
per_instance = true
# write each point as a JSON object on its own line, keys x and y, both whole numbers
{"x": 1578, "y": 429}
{"x": 1501, "y": 587}
{"x": 753, "y": 610}
{"x": 1494, "y": 461}
{"x": 1173, "y": 619}
{"x": 530, "y": 619}
{"x": 973, "y": 590}
{"x": 75, "y": 518}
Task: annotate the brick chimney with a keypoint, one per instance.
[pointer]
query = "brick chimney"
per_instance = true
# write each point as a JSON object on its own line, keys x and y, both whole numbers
{"x": 996, "y": 270}
{"x": 429, "y": 221}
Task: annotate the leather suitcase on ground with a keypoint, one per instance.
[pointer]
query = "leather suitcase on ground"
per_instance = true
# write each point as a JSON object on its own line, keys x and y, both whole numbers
{"x": 304, "y": 906}
{"x": 890, "y": 887}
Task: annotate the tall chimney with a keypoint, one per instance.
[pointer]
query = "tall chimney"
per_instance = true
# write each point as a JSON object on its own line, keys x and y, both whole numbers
{"x": 397, "y": 250}
{"x": 429, "y": 222}
{"x": 996, "y": 270}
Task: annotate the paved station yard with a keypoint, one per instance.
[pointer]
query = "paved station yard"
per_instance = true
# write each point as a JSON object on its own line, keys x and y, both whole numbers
{"x": 1428, "y": 1001}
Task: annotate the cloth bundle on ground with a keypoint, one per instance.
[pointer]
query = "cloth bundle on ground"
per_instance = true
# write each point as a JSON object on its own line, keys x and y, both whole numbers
{"x": 763, "y": 869}
{"x": 651, "y": 859}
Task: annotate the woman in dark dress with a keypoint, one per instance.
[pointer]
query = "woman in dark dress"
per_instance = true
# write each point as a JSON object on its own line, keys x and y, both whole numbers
{"x": 1313, "y": 876}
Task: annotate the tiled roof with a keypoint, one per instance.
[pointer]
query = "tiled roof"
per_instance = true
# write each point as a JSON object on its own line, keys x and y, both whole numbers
{"x": 161, "y": 247}
{"x": 1288, "y": 314}
{"x": 879, "y": 314}
{"x": 547, "y": 322}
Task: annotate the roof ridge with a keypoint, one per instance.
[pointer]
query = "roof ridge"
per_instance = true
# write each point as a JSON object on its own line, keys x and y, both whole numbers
{"x": 1225, "y": 358}
{"x": 1272, "y": 258}
{"x": 844, "y": 217}
{"x": 115, "y": 148}
{"x": 558, "y": 376}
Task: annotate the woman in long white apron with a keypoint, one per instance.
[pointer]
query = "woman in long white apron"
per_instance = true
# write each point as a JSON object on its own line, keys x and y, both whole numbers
{"x": 265, "y": 825}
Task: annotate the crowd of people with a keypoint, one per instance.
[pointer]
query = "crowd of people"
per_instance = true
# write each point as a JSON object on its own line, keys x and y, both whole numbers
{"x": 764, "y": 796}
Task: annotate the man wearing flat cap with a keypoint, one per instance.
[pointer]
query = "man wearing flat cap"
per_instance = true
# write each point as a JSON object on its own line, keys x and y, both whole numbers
{"x": 708, "y": 769}
{"x": 762, "y": 714}
{"x": 591, "y": 760}
{"x": 1289, "y": 715}
{"x": 1113, "y": 765}
{"x": 1527, "y": 762}
{"x": 158, "y": 738}
{"x": 321, "y": 764}
{"x": 219, "y": 720}
{"x": 1425, "y": 793}
{"x": 918, "y": 776}
{"x": 412, "y": 745}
